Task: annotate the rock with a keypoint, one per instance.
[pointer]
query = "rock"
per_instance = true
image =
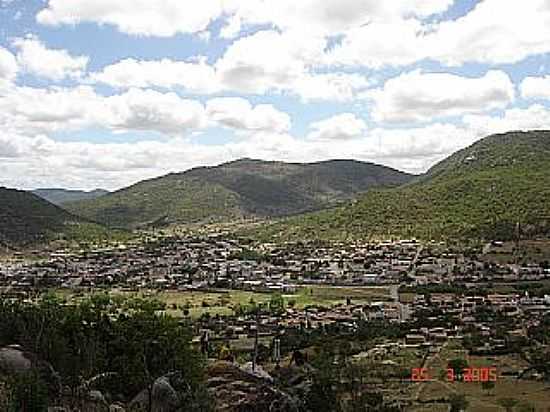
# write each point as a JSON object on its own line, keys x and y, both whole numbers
{"x": 163, "y": 391}
{"x": 164, "y": 397}
{"x": 238, "y": 389}
{"x": 258, "y": 372}
{"x": 14, "y": 360}
{"x": 96, "y": 397}
{"x": 217, "y": 381}
{"x": 95, "y": 402}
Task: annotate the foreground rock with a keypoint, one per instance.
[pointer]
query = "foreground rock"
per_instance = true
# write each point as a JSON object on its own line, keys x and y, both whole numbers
{"x": 238, "y": 389}
{"x": 16, "y": 361}
{"x": 164, "y": 398}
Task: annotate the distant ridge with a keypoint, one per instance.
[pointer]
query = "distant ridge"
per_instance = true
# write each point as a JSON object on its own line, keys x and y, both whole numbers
{"x": 27, "y": 220}
{"x": 60, "y": 196}
{"x": 498, "y": 187}
{"x": 240, "y": 188}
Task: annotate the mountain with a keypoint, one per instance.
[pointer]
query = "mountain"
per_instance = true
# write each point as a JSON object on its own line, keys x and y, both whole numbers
{"x": 496, "y": 188}
{"x": 27, "y": 219}
{"x": 242, "y": 188}
{"x": 60, "y": 196}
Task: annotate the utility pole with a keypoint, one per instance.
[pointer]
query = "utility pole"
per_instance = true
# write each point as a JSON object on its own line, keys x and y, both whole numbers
{"x": 254, "y": 359}
{"x": 277, "y": 352}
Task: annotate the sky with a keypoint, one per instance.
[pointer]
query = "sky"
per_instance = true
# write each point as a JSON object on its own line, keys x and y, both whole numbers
{"x": 107, "y": 93}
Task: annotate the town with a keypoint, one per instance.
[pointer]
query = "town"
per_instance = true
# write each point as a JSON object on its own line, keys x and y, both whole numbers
{"x": 243, "y": 299}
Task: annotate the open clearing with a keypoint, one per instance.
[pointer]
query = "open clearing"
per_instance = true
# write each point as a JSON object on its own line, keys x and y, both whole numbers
{"x": 223, "y": 302}
{"x": 525, "y": 392}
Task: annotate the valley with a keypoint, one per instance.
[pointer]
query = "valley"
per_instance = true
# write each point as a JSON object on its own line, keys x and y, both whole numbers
{"x": 280, "y": 279}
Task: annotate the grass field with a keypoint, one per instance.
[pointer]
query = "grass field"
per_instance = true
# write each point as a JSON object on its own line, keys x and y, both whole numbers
{"x": 223, "y": 302}
{"x": 524, "y": 392}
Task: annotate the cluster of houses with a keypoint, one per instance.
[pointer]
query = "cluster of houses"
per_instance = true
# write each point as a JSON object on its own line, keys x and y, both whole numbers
{"x": 195, "y": 263}
{"x": 216, "y": 262}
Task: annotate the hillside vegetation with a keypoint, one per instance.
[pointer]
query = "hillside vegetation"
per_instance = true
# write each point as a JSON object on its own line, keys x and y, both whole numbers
{"x": 497, "y": 188}
{"x": 243, "y": 188}
{"x": 26, "y": 219}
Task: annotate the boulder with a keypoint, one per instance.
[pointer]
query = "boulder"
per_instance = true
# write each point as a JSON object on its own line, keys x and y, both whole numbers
{"x": 164, "y": 398}
{"x": 237, "y": 388}
{"x": 15, "y": 360}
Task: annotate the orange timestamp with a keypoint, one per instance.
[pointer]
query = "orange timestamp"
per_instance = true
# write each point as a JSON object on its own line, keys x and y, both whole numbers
{"x": 466, "y": 375}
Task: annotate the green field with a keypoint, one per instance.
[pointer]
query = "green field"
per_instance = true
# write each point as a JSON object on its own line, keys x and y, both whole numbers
{"x": 224, "y": 302}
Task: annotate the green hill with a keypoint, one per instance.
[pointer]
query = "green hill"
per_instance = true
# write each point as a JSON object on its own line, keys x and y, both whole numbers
{"x": 243, "y": 188}
{"x": 496, "y": 188}
{"x": 26, "y": 219}
{"x": 60, "y": 196}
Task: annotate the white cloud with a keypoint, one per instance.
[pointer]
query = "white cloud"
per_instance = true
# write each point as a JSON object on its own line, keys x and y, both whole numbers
{"x": 418, "y": 96}
{"x": 329, "y": 86}
{"x": 343, "y": 126}
{"x": 323, "y": 17}
{"x": 169, "y": 17}
{"x": 268, "y": 60}
{"x": 238, "y": 113}
{"x": 34, "y": 110}
{"x": 10, "y": 146}
{"x": 380, "y": 43}
{"x": 196, "y": 77}
{"x": 264, "y": 62}
{"x": 535, "y": 87}
{"x": 375, "y": 33}
{"x": 535, "y": 117}
{"x": 416, "y": 149}
{"x": 378, "y": 34}
{"x": 137, "y": 17}
{"x": 54, "y": 64}
{"x": 8, "y": 65}
{"x": 31, "y": 110}
{"x": 493, "y": 32}
{"x": 150, "y": 110}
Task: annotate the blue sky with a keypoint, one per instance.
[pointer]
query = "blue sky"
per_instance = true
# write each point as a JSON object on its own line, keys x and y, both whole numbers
{"x": 96, "y": 94}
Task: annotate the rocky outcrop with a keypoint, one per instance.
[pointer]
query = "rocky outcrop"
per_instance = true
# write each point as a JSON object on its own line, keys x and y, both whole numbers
{"x": 239, "y": 389}
{"x": 15, "y": 360}
{"x": 164, "y": 398}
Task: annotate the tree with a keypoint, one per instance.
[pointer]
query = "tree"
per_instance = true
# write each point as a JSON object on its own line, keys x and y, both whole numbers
{"x": 458, "y": 365}
{"x": 29, "y": 393}
{"x": 488, "y": 386}
{"x": 276, "y": 303}
{"x": 458, "y": 402}
{"x": 323, "y": 396}
{"x": 97, "y": 339}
